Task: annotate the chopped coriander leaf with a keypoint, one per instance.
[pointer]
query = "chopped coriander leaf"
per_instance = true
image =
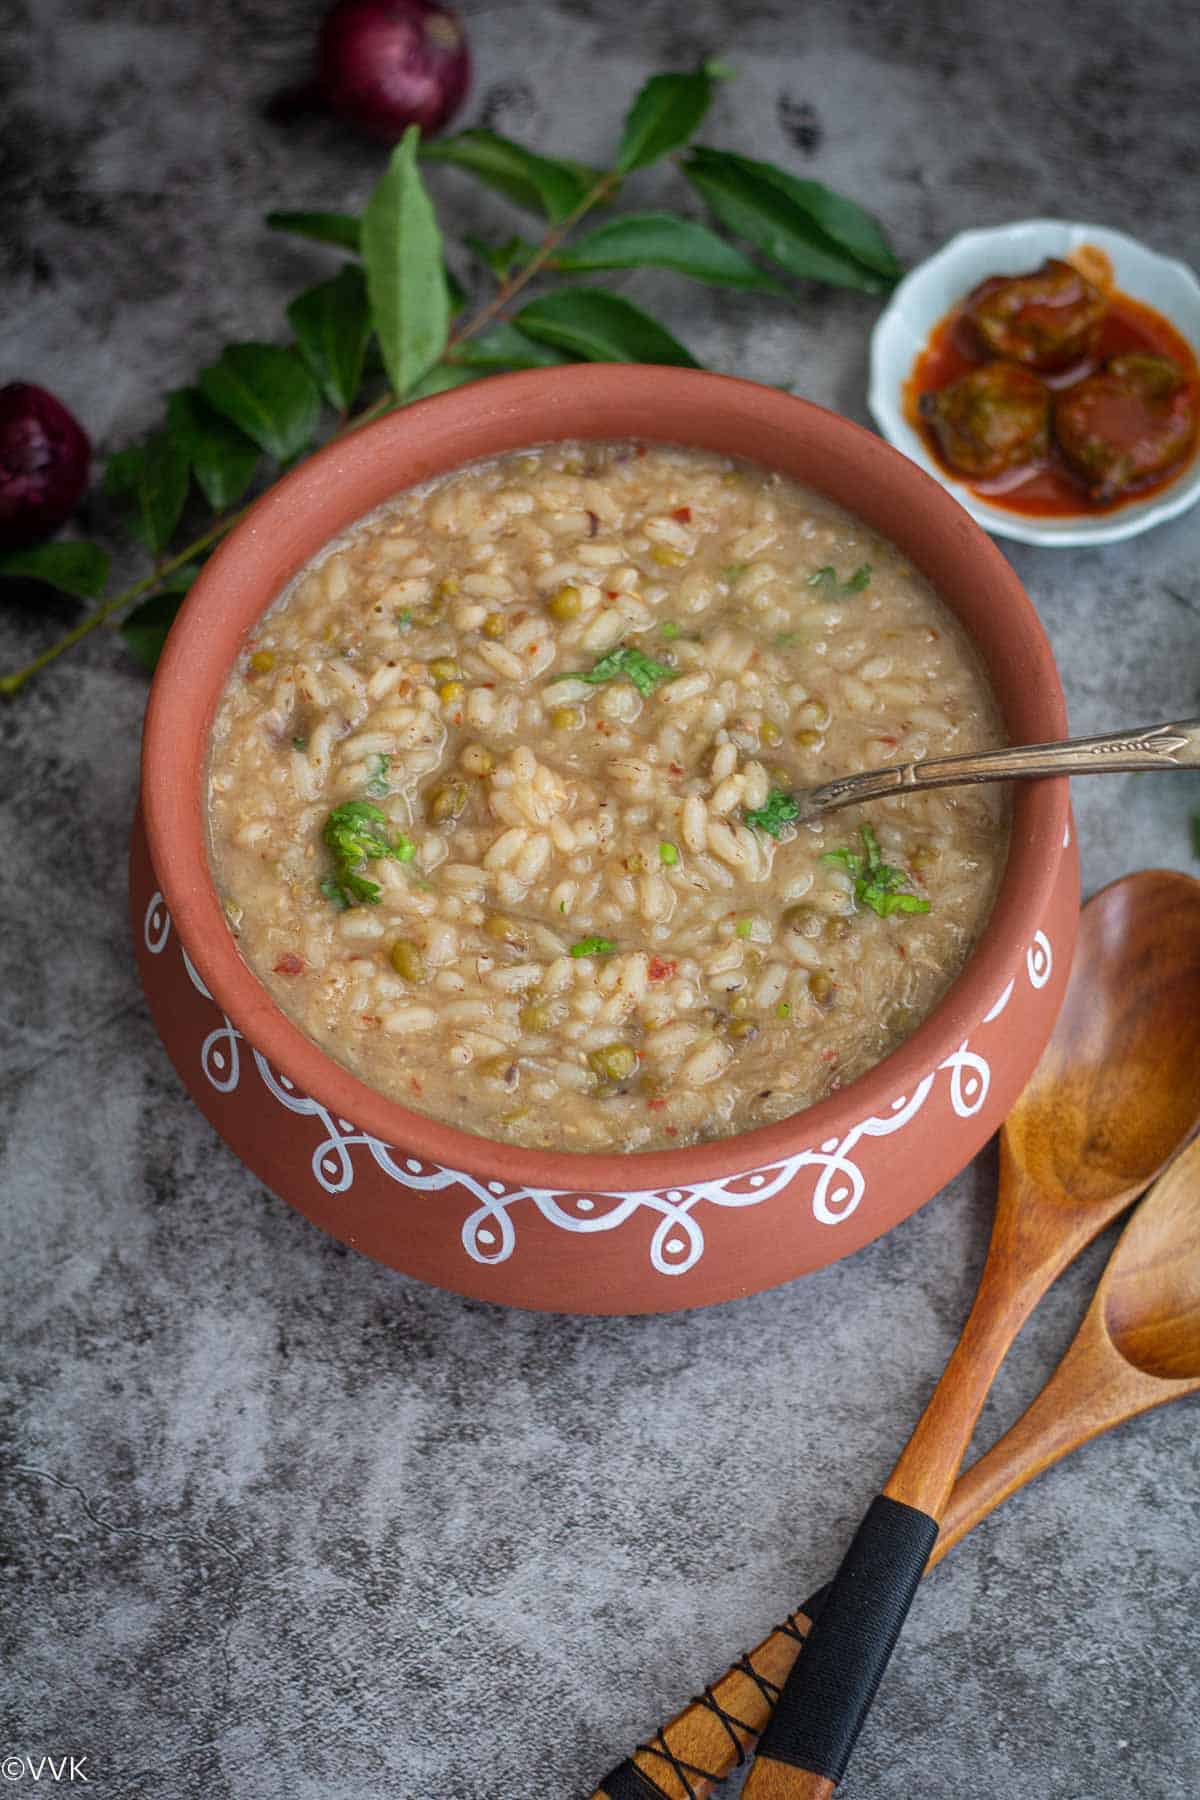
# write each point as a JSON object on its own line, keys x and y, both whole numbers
{"x": 354, "y": 832}
{"x": 351, "y": 832}
{"x": 885, "y": 903}
{"x": 347, "y": 888}
{"x": 641, "y": 669}
{"x": 299, "y": 743}
{"x": 877, "y": 885}
{"x": 827, "y": 577}
{"x": 780, "y": 810}
{"x": 733, "y": 572}
{"x": 378, "y": 784}
{"x": 404, "y": 620}
{"x": 1196, "y": 834}
{"x": 783, "y": 1010}
{"x": 669, "y": 630}
{"x": 743, "y": 928}
{"x": 784, "y": 640}
{"x": 593, "y": 946}
{"x": 668, "y": 855}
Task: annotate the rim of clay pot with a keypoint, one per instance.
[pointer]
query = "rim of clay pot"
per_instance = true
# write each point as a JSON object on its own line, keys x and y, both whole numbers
{"x": 353, "y": 475}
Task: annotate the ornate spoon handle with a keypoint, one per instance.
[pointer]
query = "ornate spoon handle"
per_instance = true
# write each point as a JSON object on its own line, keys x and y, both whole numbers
{"x": 1154, "y": 747}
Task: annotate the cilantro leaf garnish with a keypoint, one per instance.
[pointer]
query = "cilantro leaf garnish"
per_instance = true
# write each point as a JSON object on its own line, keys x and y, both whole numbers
{"x": 355, "y": 833}
{"x": 877, "y": 884}
{"x": 352, "y": 833}
{"x": 593, "y": 946}
{"x": 827, "y": 577}
{"x": 779, "y": 810}
{"x": 641, "y": 669}
{"x": 336, "y": 894}
{"x": 378, "y": 787}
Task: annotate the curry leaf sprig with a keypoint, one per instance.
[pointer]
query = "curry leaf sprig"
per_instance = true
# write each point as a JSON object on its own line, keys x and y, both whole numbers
{"x": 396, "y": 324}
{"x": 356, "y": 833}
{"x": 877, "y": 885}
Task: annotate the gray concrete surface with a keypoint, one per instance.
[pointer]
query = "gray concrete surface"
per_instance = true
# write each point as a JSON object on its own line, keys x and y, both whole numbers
{"x": 282, "y": 1523}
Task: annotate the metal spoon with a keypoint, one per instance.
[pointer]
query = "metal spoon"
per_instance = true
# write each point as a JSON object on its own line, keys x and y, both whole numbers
{"x": 1112, "y": 1099}
{"x": 1154, "y": 747}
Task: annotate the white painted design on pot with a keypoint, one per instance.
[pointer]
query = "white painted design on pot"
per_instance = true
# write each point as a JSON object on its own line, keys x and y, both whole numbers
{"x": 841, "y": 1183}
{"x": 220, "y": 1057}
{"x": 156, "y": 926}
{"x": 1001, "y": 1003}
{"x": 1039, "y": 959}
{"x": 489, "y": 1232}
{"x": 970, "y": 1079}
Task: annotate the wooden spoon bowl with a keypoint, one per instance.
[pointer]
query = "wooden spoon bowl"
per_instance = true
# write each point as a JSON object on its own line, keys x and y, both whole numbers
{"x": 1151, "y": 1290}
{"x": 1118, "y": 1087}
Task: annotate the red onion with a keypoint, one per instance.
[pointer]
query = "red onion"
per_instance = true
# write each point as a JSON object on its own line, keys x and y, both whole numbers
{"x": 44, "y": 458}
{"x": 388, "y": 64}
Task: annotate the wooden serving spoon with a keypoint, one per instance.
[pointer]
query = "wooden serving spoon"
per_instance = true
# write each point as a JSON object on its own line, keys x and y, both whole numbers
{"x": 1137, "y": 1348}
{"x": 1113, "y": 1097}
{"x": 1109, "y": 1150}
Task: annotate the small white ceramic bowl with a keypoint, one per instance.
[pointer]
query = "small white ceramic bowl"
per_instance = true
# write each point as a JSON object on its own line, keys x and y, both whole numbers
{"x": 929, "y": 292}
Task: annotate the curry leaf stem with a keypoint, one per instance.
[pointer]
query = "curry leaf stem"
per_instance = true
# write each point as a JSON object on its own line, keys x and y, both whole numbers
{"x": 12, "y": 682}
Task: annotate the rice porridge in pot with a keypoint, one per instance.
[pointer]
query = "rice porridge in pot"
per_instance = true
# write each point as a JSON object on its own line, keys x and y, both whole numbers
{"x": 498, "y": 798}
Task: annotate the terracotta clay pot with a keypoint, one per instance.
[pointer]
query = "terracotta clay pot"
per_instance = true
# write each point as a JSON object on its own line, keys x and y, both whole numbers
{"x": 648, "y": 1231}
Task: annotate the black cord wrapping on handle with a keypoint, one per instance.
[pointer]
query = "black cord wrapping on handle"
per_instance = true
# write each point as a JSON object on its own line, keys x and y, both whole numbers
{"x": 829, "y": 1691}
{"x": 628, "y": 1782}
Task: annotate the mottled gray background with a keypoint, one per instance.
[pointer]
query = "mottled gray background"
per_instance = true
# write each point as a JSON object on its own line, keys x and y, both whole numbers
{"x": 282, "y": 1523}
